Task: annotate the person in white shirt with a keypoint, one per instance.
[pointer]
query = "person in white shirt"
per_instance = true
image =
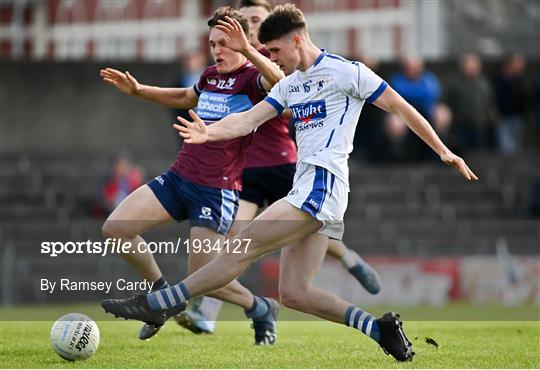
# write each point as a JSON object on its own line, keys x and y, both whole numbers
{"x": 325, "y": 94}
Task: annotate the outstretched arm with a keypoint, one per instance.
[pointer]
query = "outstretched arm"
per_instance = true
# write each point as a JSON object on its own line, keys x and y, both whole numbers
{"x": 174, "y": 97}
{"x": 230, "y": 127}
{"x": 392, "y": 102}
{"x": 236, "y": 40}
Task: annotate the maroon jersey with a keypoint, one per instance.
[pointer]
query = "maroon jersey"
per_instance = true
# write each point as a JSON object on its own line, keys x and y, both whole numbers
{"x": 219, "y": 164}
{"x": 271, "y": 144}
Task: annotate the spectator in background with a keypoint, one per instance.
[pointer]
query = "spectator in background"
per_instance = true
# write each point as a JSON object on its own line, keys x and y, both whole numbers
{"x": 421, "y": 89}
{"x": 512, "y": 99}
{"x": 470, "y": 97}
{"x": 123, "y": 179}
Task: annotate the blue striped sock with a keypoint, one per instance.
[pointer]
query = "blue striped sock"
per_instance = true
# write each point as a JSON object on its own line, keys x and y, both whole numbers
{"x": 258, "y": 309}
{"x": 168, "y": 297}
{"x": 362, "y": 321}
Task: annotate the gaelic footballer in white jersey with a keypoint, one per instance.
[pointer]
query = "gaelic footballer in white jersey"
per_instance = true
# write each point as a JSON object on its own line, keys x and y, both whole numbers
{"x": 325, "y": 100}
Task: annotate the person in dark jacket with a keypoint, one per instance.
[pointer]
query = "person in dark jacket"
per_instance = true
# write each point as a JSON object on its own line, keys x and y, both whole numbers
{"x": 512, "y": 99}
{"x": 470, "y": 97}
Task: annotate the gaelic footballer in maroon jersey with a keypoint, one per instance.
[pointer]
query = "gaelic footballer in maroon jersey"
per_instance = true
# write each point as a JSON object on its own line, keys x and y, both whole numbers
{"x": 220, "y": 164}
{"x": 271, "y": 144}
{"x": 202, "y": 185}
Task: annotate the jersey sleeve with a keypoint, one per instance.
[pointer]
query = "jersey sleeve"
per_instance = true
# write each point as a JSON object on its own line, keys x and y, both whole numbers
{"x": 254, "y": 87}
{"x": 201, "y": 84}
{"x": 276, "y": 97}
{"x": 361, "y": 82}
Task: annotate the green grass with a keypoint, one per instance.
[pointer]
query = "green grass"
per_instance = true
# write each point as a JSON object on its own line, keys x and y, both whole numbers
{"x": 301, "y": 344}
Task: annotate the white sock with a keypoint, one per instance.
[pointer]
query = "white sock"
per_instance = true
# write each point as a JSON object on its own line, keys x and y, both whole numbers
{"x": 350, "y": 259}
{"x": 210, "y": 307}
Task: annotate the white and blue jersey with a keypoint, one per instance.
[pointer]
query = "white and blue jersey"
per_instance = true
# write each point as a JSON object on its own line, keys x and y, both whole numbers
{"x": 325, "y": 101}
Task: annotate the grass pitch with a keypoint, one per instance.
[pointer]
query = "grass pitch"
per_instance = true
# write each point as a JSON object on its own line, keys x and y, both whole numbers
{"x": 301, "y": 344}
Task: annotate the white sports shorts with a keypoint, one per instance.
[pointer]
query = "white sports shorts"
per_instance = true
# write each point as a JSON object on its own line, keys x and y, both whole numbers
{"x": 321, "y": 194}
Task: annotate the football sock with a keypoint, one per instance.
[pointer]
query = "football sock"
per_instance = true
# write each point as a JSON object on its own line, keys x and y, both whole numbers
{"x": 362, "y": 321}
{"x": 258, "y": 309}
{"x": 209, "y": 307}
{"x": 168, "y": 297}
{"x": 349, "y": 259}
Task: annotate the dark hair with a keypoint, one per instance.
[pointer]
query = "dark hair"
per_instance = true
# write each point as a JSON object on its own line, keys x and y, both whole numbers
{"x": 247, "y": 3}
{"x": 227, "y": 11}
{"x": 283, "y": 20}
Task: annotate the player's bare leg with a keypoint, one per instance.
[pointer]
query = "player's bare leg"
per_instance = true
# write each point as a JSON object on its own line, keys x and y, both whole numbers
{"x": 279, "y": 225}
{"x": 363, "y": 272}
{"x": 139, "y": 212}
{"x": 234, "y": 292}
{"x": 300, "y": 263}
{"x": 265, "y": 328}
{"x": 336, "y": 249}
{"x": 203, "y": 311}
{"x": 247, "y": 211}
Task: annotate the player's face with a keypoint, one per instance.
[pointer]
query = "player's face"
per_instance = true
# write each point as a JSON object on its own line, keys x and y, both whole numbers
{"x": 285, "y": 52}
{"x": 255, "y": 16}
{"x": 226, "y": 60}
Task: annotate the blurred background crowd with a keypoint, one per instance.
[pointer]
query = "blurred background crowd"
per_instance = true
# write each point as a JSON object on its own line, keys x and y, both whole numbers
{"x": 471, "y": 109}
{"x": 72, "y": 148}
